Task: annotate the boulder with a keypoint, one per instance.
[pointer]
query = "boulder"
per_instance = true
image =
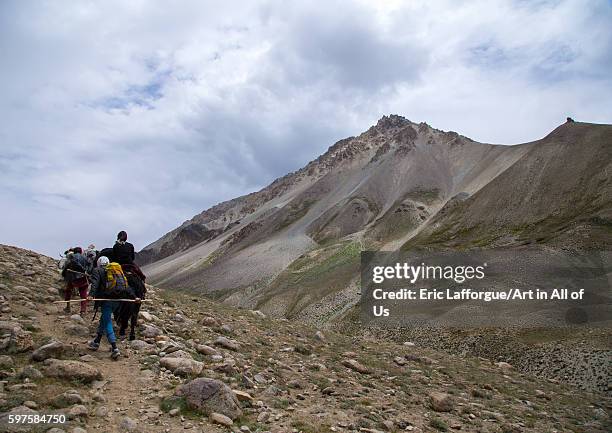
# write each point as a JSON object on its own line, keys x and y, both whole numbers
{"x": 210, "y": 396}
{"x": 55, "y": 349}
{"x": 71, "y": 370}
{"x": 182, "y": 366}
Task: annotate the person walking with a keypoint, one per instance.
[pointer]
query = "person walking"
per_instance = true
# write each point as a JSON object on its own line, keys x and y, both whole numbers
{"x": 98, "y": 288}
{"x": 74, "y": 273}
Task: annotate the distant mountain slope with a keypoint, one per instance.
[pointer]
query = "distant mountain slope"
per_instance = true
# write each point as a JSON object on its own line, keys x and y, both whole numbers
{"x": 292, "y": 249}
{"x": 558, "y": 193}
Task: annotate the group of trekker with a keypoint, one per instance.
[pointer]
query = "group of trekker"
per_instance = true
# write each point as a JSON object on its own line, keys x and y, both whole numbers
{"x": 110, "y": 278}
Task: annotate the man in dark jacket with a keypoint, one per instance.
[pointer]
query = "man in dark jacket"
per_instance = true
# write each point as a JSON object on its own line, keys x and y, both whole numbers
{"x": 123, "y": 251}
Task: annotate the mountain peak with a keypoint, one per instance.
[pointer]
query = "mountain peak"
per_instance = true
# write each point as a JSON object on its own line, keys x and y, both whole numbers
{"x": 392, "y": 121}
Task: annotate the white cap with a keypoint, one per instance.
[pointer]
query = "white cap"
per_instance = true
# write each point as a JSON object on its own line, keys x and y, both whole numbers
{"x": 103, "y": 261}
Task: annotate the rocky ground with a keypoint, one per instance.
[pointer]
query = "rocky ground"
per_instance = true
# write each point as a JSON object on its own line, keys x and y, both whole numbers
{"x": 203, "y": 367}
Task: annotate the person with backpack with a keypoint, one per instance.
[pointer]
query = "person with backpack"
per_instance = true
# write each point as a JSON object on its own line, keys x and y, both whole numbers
{"x": 75, "y": 276}
{"x": 90, "y": 254}
{"x": 123, "y": 251}
{"x": 108, "y": 282}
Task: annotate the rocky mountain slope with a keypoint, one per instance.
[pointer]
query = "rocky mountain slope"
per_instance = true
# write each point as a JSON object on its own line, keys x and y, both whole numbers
{"x": 292, "y": 249}
{"x": 199, "y": 366}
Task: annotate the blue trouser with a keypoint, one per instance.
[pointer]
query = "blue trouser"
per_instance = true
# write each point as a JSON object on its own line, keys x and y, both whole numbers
{"x": 106, "y": 321}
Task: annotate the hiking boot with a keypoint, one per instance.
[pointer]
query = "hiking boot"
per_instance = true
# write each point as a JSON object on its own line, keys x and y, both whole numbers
{"x": 132, "y": 336}
{"x": 121, "y": 335}
{"x": 115, "y": 353}
{"x": 93, "y": 345}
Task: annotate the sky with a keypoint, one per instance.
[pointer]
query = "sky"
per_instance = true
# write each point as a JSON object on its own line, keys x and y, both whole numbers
{"x": 137, "y": 115}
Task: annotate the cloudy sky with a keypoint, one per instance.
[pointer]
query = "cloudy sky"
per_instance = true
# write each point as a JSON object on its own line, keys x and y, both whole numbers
{"x": 137, "y": 115}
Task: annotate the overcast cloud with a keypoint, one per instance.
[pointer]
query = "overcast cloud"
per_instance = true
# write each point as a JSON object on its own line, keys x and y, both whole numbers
{"x": 137, "y": 115}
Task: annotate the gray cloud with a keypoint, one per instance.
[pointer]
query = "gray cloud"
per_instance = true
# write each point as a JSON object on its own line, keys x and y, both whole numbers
{"x": 137, "y": 116}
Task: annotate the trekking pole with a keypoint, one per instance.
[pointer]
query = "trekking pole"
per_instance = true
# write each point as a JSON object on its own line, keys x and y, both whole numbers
{"x": 102, "y": 299}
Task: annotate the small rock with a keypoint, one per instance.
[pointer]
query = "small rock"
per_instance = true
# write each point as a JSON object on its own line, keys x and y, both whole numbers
{"x": 503, "y": 365}
{"x": 441, "y": 402}
{"x": 6, "y": 362}
{"x": 66, "y": 399}
{"x": 142, "y": 346}
{"x": 151, "y": 331}
{"x": 209, "y": 321}
{"x": 263, "y": 417}
{"x": 399, "y": 360}
{"x": 259, "y": 378}
{"x": 206, "y": 350}
{"x": 101, "y": 411}
{"x": 328, "y": 391}
{"x": 78, "y": 411}
{"x": 219, "y": 418}
{"x": 77, "y": 318}
{"x": 227, "y": 343}
{"x": 356, "y": 366}
{"x": 242, "y": 396}
{"x": 77, "y": 329}
{"x": 31, "y": 404}
{"x": 128, "y": 424}
{"x": 388, "y": 425}
{"x": 146, "y": 316}
{"x": 30, "y": 373}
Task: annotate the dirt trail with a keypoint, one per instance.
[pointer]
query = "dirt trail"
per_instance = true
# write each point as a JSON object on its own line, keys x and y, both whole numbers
{"x": 123, "y": 384}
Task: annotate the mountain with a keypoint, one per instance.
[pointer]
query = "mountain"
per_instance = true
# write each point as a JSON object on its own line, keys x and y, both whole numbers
{"x": 292, "y": 249}
{"x": 200, "y": 366}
